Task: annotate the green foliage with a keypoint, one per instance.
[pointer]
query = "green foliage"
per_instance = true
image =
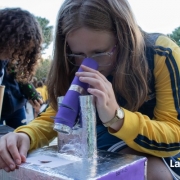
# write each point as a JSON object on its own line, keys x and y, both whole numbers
{"x": 175, "y": 35}
{"x": 43, "y": 69}
{"x": 46, "y": 31}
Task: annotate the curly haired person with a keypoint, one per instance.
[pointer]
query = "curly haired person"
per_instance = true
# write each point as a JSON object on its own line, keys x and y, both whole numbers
{"x": 20, "y": 50}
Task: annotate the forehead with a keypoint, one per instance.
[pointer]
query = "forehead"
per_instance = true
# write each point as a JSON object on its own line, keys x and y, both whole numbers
{"x": 85, "y": 37}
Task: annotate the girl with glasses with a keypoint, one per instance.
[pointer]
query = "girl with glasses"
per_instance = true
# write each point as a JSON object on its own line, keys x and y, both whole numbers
{"x": 136, "y": 86}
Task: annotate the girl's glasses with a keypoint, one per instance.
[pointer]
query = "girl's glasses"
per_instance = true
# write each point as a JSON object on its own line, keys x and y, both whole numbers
{"x": 103, "y": 59}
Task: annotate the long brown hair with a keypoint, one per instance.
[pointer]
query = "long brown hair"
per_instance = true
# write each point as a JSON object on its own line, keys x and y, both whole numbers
{"x": 131, "y": 70}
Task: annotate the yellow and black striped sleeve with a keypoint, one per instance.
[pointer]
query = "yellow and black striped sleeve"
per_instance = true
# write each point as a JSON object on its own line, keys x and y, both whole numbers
{"x": 159, "y": 136}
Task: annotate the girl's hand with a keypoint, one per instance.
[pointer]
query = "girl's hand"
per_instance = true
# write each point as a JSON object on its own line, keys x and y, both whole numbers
{"x": 13, "y": 150}
{"x": 101, "y": 88}
{"x": 36, "y": 106}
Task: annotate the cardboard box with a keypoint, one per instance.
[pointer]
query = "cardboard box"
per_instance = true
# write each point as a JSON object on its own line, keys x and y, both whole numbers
{"x": 46, "y": 163}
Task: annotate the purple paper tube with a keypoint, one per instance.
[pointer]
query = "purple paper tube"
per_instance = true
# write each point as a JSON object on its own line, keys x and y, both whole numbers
{"x": 69, "y": 108}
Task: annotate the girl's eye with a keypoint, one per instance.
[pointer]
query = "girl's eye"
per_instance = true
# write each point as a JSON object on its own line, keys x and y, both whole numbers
{"x": 99, "y": 52}
{"x": 78, "y": 54}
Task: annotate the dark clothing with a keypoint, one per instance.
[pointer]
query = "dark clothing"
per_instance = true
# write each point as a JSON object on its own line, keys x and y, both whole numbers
{"x": 16, "y": 119}
{"x": 13, "y": 101}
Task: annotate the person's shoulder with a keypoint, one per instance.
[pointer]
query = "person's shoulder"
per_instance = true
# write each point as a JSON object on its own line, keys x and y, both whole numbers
{"x": 166, "y": 42}
{"x": 159, "y": 39}
{"x": 165, "y": 47}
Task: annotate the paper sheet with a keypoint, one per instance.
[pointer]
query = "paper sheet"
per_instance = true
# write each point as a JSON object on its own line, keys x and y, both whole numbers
{"x": 48, "y": 161}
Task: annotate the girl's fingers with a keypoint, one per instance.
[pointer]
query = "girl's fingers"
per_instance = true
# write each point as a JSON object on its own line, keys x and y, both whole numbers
{"x": 3, "y": 165}
{"x": 95, "y": 83}
{"x": 94, "y": 79}
{"x": 93, "y": 72}
{"x": 100, "y": 96}
{"x": 9, "y": 152}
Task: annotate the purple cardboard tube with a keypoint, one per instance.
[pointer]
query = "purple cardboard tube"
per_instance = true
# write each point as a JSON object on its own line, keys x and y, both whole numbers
{"x": 69, "y": 108}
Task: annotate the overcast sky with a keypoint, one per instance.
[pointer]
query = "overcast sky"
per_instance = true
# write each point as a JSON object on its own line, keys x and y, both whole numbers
{"x": 152, "y": 15}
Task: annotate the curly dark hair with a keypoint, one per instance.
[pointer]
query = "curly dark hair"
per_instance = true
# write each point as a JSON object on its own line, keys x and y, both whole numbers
{"x": 20, "y": 42}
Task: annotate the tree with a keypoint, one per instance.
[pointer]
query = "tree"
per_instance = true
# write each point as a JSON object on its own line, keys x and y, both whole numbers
{"x": 43, "y": 69}
{"x": 46, "y": 31}
{"x": 175, "y": 35}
